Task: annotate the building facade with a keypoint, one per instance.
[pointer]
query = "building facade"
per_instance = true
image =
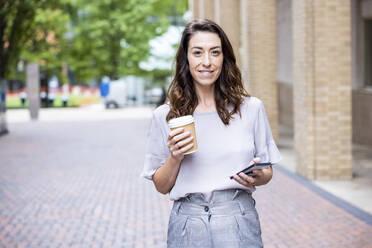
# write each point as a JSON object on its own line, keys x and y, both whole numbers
{"x": 310, "y": 61}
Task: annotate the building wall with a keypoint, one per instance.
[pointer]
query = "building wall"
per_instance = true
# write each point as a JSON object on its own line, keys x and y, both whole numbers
{"x": 284, "y": 40}
{"x": 362, "y": 117}
{"x": 320, "y": 72}
{"x": 321, "y": 88}
{"x": 285, "y": 92}
{"x": 259, "y": 42}
{"x": 285, "y": 60}
{"x": 361, "y": 95}
{"x": 367, "y": 8}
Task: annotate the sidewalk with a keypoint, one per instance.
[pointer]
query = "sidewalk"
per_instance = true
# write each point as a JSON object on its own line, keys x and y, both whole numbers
{"x": 90, "y": 113}
{"x": 357, "y": 191}
{"x": 74, "y": 183}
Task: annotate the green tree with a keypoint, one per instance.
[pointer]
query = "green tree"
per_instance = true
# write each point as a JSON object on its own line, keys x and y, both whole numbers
{"x": 16, "y": 18}
{"x": 94, "y": 37}
{"x": 112, "y": 37}
{"x": 48, "y": 44}
{"x": 31, "y": 30}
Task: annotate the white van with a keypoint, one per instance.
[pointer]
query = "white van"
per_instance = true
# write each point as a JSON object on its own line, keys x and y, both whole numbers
{"x": 117, "y": 96}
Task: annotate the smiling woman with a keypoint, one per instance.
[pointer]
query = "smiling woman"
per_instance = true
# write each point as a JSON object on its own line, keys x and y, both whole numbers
{"x": 232, "y": 132}
{"x": 205, "y": 57}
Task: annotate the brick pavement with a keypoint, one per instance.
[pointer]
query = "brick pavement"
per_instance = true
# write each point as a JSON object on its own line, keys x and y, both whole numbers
{"x": 76, "y": 184}
{"x": 293, "y": 215}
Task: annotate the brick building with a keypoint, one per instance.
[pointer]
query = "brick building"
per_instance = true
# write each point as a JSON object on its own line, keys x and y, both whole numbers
{"x": 310, "y": 61}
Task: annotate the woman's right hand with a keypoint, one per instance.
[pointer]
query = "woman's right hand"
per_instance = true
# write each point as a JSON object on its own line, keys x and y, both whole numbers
{"x": 179, "y": 142}
{"x": 165, "y": 177}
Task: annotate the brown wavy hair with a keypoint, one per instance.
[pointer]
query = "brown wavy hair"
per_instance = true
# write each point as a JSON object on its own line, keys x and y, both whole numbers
{"x": 228, "y": 88}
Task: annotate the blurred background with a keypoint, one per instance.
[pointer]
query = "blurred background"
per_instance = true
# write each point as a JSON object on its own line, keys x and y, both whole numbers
{"x": 116, "y": 52}
{"x": 79, "y": 80}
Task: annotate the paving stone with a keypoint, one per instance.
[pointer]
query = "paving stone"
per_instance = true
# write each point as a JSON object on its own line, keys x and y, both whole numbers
{"x": 77, "y": 184}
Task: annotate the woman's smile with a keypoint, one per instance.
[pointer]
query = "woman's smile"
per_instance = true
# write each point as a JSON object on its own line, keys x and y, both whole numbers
{"x": 206, "y": 73}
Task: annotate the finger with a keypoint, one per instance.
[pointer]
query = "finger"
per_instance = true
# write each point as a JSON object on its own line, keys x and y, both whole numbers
{"x": 241, "y": 181}
{"x": 173, "y": 148}
{"x": 187, "y": 147}
{"x": 256, "y": 160}
{"x": 176, "y": 150}
{"x": 247, "y": 178}
{"x": 181, "y": 136}
{"x": 184, "y": 142}
{"x": 258, "y": 173}
{"x": 173, "y": 140}
{"x": 175, "y": 132}
{"x": 177, "y": 146}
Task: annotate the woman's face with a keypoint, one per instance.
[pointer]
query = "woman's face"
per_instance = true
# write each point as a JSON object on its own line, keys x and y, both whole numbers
{"x": 205, "y": 58}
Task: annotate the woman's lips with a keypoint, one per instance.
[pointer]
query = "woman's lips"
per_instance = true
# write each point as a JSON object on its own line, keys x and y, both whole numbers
{"x": 206, "y": 73}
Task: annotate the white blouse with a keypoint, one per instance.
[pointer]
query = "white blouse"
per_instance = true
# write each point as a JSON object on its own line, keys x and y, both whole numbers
{"x": 222, "y": 150}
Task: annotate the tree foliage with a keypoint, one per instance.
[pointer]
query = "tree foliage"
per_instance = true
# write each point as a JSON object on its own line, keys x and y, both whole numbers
{"x": 31, "y": 30}
{"x": 15, "y": 26}
{"x": 112, "y": 37}
{"x": 48, "y": 44}
{"x": 93, "y": 37}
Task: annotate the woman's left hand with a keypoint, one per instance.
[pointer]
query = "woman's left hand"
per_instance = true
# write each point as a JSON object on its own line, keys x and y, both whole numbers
{"x": 259, "y": 177}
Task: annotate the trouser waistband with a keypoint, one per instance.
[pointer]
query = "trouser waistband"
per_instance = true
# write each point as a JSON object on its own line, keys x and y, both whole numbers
{"x": 224, "y": 202}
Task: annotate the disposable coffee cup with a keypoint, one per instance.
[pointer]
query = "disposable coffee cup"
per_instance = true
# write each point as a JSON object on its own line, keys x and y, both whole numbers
{"x": 186, "y": 122}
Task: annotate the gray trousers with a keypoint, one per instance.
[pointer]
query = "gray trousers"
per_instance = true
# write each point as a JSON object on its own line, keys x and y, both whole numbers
{"x": 228, "y": 219}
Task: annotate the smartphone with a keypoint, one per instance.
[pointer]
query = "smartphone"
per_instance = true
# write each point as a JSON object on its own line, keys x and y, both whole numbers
{"x": 256, "y": 166}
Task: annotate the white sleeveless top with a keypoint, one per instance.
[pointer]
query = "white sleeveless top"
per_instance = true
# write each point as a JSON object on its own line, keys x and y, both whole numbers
{"x": 222, "y": 150}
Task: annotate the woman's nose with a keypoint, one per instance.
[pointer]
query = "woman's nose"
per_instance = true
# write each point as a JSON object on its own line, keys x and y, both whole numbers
{"x": 206, "y": 60}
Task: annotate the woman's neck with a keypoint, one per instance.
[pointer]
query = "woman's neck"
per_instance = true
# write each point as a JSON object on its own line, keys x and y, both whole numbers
{"x": 206, "y": 101}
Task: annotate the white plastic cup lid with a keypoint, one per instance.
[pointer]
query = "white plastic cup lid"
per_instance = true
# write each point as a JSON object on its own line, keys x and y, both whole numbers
{"x": 180, "y": 121}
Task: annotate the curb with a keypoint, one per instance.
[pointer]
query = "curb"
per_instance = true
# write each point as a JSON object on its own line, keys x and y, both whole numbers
{"x": 351, "y": 209}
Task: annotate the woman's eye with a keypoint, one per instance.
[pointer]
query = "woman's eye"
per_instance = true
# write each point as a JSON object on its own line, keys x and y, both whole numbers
{"x": 197, "y": 53}
{"x": 216, "y": 53}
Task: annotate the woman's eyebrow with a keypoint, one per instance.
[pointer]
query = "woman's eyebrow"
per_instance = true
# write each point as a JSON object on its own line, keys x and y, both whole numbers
{"x": 197, "y": 47}
{"x": 215, "y": 47}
